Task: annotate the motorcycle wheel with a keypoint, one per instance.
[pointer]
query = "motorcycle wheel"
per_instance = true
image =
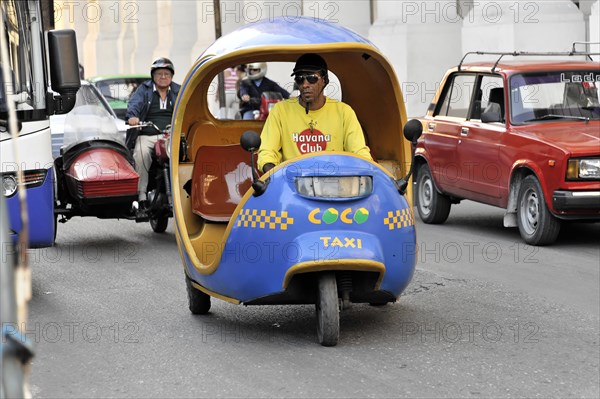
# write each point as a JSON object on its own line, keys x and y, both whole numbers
{"x": 328, "y": 310}
{"x": 198, "y": 301}
{"x": 159, "y": 224}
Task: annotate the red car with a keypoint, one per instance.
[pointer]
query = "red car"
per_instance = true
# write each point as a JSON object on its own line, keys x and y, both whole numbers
{"x": 520, "y": 135}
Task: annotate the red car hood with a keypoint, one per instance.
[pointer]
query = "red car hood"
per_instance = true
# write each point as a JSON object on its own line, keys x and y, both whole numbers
{"x": 579, "y": 138}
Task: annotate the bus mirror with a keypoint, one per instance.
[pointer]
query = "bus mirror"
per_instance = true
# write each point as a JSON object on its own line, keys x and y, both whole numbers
{"x": 64, "y": 68}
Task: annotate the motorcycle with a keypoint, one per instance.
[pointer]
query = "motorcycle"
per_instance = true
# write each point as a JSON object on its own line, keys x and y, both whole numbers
{"x": 267, "y": 100}
{"x": 158, "y": 192}
{"x": 95, "y": 173}
{"x": 328, "y": 228}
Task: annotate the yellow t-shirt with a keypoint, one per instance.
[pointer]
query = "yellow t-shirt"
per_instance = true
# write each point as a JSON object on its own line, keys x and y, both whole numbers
{"x": 290, "y": 132}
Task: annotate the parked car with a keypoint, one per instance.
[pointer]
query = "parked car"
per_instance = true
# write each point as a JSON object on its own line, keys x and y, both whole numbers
{"x": 89, "y": 102}
{"x": 520, "y": 135}
{"x": 117, "y": 89}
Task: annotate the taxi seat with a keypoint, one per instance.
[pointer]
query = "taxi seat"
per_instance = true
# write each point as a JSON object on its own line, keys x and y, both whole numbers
{"x": 221, "y": 176}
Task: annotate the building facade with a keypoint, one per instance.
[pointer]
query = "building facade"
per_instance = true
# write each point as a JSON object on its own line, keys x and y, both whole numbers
{"x": 421, "y": 38}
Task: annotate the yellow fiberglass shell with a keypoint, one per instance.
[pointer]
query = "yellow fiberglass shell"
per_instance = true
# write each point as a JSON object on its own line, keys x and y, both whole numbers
{"x": 369, "y": 85}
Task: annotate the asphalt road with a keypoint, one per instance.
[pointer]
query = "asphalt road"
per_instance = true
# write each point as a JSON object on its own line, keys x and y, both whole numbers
{"x": 485, "y": 316}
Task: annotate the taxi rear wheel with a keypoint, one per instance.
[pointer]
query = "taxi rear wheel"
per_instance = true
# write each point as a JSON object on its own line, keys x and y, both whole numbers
{"x": 432, "y": 206}
{"x": 328, "y": 310}
{"x": 198, "y": 301}
{"x": 536, "y": 224}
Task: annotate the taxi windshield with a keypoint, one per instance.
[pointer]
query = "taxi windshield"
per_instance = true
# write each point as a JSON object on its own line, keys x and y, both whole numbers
{"x": 555, "y": 95}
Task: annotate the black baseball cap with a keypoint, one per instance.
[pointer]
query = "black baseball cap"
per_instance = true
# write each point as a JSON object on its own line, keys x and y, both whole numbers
{"x": 310, "y": 62}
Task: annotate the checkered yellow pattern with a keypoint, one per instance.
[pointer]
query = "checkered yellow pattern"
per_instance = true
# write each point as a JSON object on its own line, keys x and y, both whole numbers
{"x": 264, "y": 219}
{"x": 399, "y": 218}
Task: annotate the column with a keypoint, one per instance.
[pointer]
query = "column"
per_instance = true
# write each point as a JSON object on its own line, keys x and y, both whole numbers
{"x": 126, "y": 41}
{"x": 145, "y": 36}
{"x": 177, "y": 33}
{"x": 421, "y": 40}
{"x": 68, "y": 15}
{"x": 101, "y": 52}
{"x": 205, "y": 28}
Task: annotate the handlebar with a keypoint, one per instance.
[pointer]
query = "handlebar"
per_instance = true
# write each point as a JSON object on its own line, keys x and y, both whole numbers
{"x": 142, "y": 125}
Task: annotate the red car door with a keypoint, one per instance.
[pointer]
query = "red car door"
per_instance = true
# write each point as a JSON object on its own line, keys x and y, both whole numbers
{"x": 443, "y": 131}
{"x": 481, "y": 172}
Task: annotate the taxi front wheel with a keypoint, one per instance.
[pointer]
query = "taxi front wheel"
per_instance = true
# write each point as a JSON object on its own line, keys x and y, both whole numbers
{"x": 198, "y": 301}
{"x": 328, "y": 310}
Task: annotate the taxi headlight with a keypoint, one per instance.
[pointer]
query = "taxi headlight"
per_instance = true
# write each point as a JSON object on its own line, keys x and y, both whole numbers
{"x": 334, "y": 186}
{"x": 9, "y": 184}
{"x": 583, "y": 169}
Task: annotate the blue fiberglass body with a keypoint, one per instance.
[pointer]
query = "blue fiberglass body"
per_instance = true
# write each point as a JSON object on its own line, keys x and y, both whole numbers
{"x": 281, "y": 229}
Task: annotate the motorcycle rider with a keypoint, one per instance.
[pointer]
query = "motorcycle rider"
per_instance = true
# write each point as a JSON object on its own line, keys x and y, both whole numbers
{"x": 253, "y": 85}
{"x": 311, "y": 122}
{"x": 153, "y": 101}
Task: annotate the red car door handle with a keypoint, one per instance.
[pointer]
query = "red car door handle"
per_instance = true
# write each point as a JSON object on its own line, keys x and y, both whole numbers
{"x": 464, "y": 131}
{"x": 430, "y": 126}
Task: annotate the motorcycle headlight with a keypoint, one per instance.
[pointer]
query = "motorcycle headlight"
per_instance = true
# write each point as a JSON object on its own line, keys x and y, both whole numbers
{"x": 9, "y": 184}
{"x": 334, "y": 186}
{"x": 583, "y": 169}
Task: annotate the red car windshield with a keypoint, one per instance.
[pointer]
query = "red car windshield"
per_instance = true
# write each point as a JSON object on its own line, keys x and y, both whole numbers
{"x": 555, "y": 95}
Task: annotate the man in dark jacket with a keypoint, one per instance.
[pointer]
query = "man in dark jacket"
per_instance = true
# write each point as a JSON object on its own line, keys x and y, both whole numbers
{"x": 153, "y": 101}
{"x": 252, "y": 87}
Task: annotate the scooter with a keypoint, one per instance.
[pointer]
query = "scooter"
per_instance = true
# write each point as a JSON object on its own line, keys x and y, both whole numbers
{"x": 268, "y": 99}
{"x": 328, "y": 228}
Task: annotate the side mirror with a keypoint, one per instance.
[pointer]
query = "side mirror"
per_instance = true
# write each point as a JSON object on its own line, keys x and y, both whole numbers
{"x": 64, "y": 69}
{"x": 413, "y": 129}
{"x": 492, "y": 113}
{"x": 250, "y": 141}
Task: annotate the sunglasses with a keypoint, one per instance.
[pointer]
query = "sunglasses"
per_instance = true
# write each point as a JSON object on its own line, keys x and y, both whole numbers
{"x": 312, "y": 78}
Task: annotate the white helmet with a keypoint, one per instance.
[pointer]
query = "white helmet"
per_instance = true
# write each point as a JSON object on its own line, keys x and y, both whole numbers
{"x": 256, "y": 70}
